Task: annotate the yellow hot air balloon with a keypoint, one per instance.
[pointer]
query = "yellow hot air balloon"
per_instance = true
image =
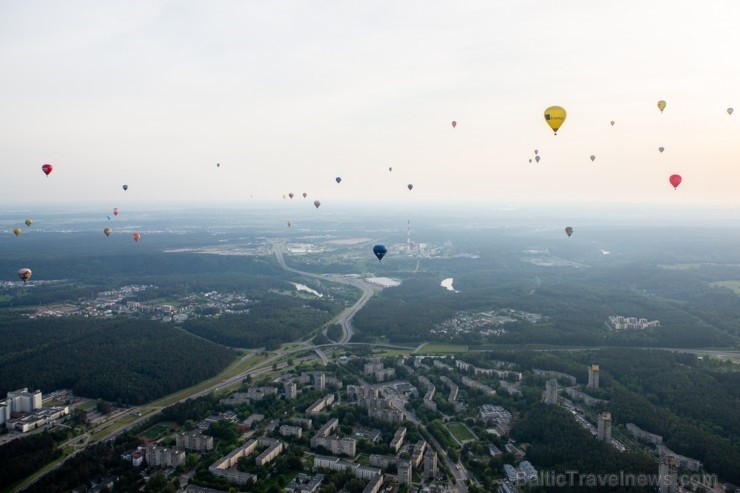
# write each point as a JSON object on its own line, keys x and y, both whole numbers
{"x": 555, "y": 116}
{"x": 29, "y": 222}
{"x": 17, "y": 231}
{"x": 661, "y": 105}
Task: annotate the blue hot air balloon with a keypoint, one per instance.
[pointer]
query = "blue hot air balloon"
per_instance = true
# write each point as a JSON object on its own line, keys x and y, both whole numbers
{"x": 380, "y": 251}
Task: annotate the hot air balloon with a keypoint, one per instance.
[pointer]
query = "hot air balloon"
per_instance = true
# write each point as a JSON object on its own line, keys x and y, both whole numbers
{"x": 24, "y": 274}
{"x": 568, "y": 231}
{"x": 283, "y": 196}
{"x": 555, "y": 117}
{"x": 108, "y": 217}
{"x": 17, "y": 231}
{"x": 136, "y": 236}
{"x": 29, "y": 222}
{"x": 675, "y": 180}
{"x": 390, "y": 168}
{"x": 530, "y": 160}
{"x": 729, "y": 111}
{"x": 536, "y": 152}
{"x": 47, "y": 169}
{"x": 661, "y": 149}
{"x": 339, "y": 179}
{"x": 380, "y": 251}
{"x": 107, "y": 231}
{"x": 410, "y": 186}
{"x": 291, "y": 195}
{"x": 305, "y": 195}
{"x": 593, "y": 158}
{"x": 537, "y": 158}
{"x": 115, "y": 211}
{"x": 611, "y": 123}
{"x": 218, "y": 165}
{"x": 316, "y": 203}
{"x": 290, "y": 224}
{"x": 454, "y": 124}
{"x": 661, "y": 105}
{"x": 125, "y": 187}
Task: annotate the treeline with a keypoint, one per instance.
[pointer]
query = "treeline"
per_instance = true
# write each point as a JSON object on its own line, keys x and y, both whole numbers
{"x": 681, "y": 435}
{"x": 95, "y": 461}
{"x": 557, "y": 443}
{"x": 122, "y": 360}
{"x": 21, "y": 457}
{"x": 272, "y": 321}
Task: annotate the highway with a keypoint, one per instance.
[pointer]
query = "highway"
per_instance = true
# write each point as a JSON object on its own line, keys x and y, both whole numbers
{"x": 345, "y": 318}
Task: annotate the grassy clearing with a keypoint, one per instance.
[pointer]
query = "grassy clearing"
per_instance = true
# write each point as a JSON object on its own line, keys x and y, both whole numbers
{"x": 434, "y": 348}
{"x": 733, "y": 285}
{"x": 460, "y": 432}
{"x": 392, "y": 352}
{"x": 157, "y": 430}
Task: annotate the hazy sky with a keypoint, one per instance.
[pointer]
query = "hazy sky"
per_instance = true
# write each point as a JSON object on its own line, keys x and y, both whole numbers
{"x": 288, "y": 95}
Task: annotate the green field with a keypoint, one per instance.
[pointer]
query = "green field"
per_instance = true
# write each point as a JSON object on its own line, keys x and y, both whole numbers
{"x": 733, "y": 285}
{"x": 157, "y": 430}
{"x": 434, "y": 348}
{"x": 460, "y": 432}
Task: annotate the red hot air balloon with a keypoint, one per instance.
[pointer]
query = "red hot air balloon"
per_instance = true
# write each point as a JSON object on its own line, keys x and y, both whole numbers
{"x": 115, "y": 211}
{"x": 136, "y": 236}
{"x": 454, "y": 124}
{"x": 675, "y": 180}
{"x": 47, "y": 169}
{"x": 24, "y": 274}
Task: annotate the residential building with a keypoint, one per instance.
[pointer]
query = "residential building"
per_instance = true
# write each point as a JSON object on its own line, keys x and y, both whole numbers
{"x": 430, "y": 464}
{"x": 398, "y": 438}
{"x": 374, "y": 485}
{"x": 405, "y": 470}
{"x": 157, "y": 456}
{"x": 304, "y": 483}
{"x": 593, "y": 377}
{"x": 641, "y": 434}
{"x": 418, "y": 454}
{"x": 291, "y": 391}
{"x": 551, "y": 391}
{"x": 287, "y": 430}
{"x": 604, "y": 427}
{"x": 320, "y": 404}
{"x": 668, "y": 474}
{"x": 194, "y": 440}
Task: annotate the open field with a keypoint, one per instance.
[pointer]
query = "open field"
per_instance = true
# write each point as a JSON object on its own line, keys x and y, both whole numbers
{"x": 460, "y": 432}
{"x": 157, "y": 430}
{"x": 733, "y": 285}
{"x": 434, "y": 348}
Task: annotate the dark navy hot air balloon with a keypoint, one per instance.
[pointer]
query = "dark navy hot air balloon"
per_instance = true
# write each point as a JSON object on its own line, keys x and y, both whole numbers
{"x": 380, "y": 251}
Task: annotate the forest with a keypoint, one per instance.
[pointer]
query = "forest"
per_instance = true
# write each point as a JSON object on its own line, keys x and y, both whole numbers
{"x": 122, "y": 360}
{"x": 576, "y": 314}
{"x": 271, "y": 322}
{"x": 692, "y": 402}
{"x": 557, "y": 443}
